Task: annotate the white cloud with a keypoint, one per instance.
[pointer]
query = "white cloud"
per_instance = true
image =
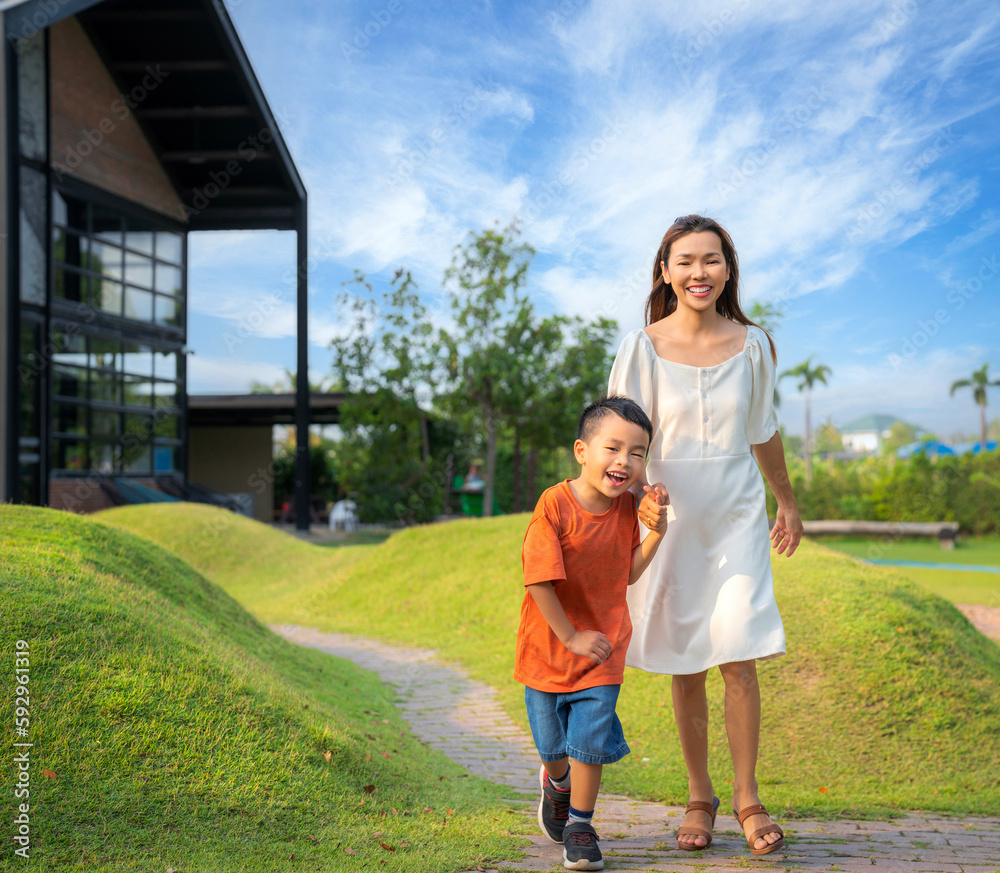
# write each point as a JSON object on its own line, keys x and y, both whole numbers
{"x": 915, "y": 389}
{"x": 208, "y": 375}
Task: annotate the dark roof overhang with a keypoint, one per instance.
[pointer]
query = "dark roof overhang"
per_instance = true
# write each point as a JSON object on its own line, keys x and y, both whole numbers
{"x": 209, "y": 122}
{"x": 240, "y": 410}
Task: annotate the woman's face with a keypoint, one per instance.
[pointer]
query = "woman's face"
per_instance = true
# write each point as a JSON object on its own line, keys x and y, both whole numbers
{"x": 697, "y": 270}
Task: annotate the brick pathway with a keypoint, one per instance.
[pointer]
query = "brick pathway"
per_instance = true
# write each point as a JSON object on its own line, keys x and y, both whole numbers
{"x": 985, "y": 618}
{"x": 463, "y": 718}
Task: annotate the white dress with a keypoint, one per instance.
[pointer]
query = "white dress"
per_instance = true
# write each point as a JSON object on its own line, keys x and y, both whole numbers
{"x": 707, "y": 597}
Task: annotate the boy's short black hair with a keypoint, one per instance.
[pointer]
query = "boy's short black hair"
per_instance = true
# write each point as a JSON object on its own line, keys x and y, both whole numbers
{"x": 616, "y": 404}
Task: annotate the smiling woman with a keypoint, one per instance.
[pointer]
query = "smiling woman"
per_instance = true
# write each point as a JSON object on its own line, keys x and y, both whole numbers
{"x": 705, "y": 375}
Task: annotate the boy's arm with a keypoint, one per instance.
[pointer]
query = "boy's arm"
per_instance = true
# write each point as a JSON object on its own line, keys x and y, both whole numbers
{"x": 644, "y": 552}
{"x": 589, "y": 643}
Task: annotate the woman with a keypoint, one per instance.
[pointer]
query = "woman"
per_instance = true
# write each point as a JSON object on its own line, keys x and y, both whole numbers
{"x": 704, "y": 373}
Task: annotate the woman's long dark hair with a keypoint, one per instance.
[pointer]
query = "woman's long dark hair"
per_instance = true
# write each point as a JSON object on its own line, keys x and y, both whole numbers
{"x": 662, "y": 300}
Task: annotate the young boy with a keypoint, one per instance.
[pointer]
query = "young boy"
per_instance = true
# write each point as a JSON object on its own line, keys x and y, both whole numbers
{"x": 581, "y": 551}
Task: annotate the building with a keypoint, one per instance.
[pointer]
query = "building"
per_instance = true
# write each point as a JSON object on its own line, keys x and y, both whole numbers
{"x": 865, "y": 435}
{"x": 126, "y": 125}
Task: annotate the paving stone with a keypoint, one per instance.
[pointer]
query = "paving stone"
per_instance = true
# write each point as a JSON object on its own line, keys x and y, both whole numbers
{"x": 463, "y": 718}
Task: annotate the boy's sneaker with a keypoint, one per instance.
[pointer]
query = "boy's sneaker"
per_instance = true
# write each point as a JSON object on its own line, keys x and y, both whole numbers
{"x": 553, "y": 808}
{"x": 580, "y": 851}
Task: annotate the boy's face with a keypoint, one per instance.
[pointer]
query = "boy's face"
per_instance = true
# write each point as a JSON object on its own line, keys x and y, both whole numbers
{"x": 613, "y": 457}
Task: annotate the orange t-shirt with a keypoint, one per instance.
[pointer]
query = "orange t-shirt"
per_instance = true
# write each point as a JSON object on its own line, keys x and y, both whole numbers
{"x": 588, "y": 559}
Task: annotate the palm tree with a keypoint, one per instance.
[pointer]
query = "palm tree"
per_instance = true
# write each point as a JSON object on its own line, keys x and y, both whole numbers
{"x": 978, "y": 383}
{"x": 808, "y": 376}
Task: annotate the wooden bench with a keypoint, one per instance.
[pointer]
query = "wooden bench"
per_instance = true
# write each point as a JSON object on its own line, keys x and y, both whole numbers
{"x": 945, "y": 531}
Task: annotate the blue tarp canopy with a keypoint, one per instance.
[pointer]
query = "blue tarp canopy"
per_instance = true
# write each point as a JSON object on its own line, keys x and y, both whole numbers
{"x": 927, "y": 447}
{"x": 974, "y": 446}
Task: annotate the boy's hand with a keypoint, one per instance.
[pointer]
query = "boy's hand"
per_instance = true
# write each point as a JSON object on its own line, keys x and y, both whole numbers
{"x": 590, "y": 644}
{"x": 653, "y": 508}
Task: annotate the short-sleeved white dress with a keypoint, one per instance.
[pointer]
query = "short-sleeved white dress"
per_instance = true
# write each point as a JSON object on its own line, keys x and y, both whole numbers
{"x": 707, "y": 597}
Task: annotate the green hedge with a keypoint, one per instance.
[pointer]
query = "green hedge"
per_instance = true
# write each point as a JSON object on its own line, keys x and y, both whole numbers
{"x": 965, "y": 489}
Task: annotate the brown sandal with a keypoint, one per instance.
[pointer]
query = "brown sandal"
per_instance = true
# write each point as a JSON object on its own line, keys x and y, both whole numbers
{"x": 702, "y": 805}
{"x": 772, "y": 828}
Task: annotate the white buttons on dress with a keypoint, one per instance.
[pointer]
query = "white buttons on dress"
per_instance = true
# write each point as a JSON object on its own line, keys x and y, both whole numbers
{"x": 704, "y": 395}
{"x": 705, "y": 418}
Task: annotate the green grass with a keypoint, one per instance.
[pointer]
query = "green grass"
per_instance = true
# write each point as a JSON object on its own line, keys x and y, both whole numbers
{"x": 970, "y": 550}
{"x": 888, "y": 698}
{"x": 185, "y": 734}
{"x": 958, "y": 586}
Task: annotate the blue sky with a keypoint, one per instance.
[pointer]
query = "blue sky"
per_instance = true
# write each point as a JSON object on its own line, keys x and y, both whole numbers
{"x": 850, "y": 148}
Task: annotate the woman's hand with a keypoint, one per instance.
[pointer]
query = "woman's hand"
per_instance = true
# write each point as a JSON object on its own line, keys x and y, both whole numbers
{"x": 787, "y": 531}
{"x": 653, "y": 508}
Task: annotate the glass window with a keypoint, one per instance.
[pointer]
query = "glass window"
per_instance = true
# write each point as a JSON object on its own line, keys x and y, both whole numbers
{"x": 69, "y": 417}
{"x": 168, "y": 279}
{"x": 138, "y": 359}
{"x": 168, "y": 310}
{"x": 139, "y": 236}
{"x": 105, "y": 386}
{"x": 138, "y": 304}
{"x": 105, "y": 353}
{"x": 70, "y": 285}
{"x": 165, "y": 395}
{"x": 69, "y": 381}
{"x": 60, "y": 212}
{"x": 105, "y": 457}
{"x": 69, "y": 211}
{"x": 31, "y": 365}
{"x": 69, "y": 347}
{"x": 138, "y": 390}
{"x": 137, "y": 450}
{"x": 169, "y": 247}
{"x": 106, "y": 260}
{"x": 32, "y": 99}
{"x": 166, "y": 425}
{"x": 163, "y": 458}
{"x": 70, "y": 248}
{"x": 166, "y": 365}
{"x": 34, "y": 236}
{"x": 106, "y": 424}
{"x": 138, "y": 270}
{"x": 107, "y": 224}
{"x": 29, "y": 483}
{"x": 107, "y": 295}
{"x": 69, "y": 454}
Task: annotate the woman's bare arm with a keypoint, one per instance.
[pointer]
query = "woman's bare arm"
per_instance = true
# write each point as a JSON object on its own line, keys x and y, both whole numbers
{"x": 787, "y": 531}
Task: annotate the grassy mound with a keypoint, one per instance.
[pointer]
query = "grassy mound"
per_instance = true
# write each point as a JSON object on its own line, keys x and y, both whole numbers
{"x": 887, "y": 701}
{"x": 182, "y": 733}
{"x": 958, "y": 586}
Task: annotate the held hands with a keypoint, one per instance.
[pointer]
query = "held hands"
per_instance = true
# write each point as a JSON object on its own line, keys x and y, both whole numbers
{"x": 590, "y": 644}
{"x": 653, "y": 508}
{"x": 787, "y": 530}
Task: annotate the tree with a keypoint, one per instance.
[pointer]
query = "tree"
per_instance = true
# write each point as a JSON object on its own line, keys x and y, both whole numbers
{"x": 794, "y": 444}
{"x": 978, "y": 383}
{"x": 900, "y": 434}
{"x": 828, "y": 438}
{"x": 767, "y": 315}
{"x": 385, "y": 363}
{"x": 287, "y": 385}
{"x": 574, "y": 374}
{"x": 807, "y": 377}
{"x": 493, "y": 319}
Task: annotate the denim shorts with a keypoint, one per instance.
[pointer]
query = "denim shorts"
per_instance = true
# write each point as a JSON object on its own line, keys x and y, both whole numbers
{"x": 580, "y": 724}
